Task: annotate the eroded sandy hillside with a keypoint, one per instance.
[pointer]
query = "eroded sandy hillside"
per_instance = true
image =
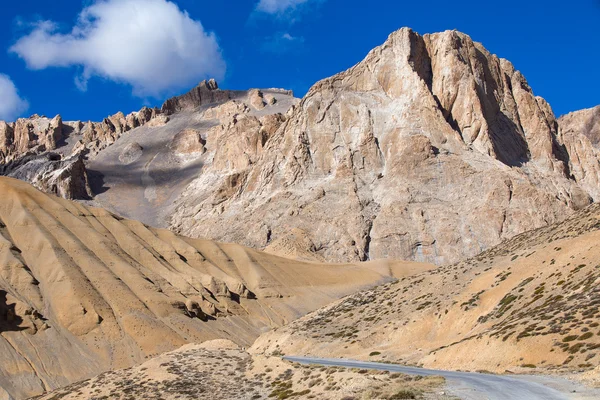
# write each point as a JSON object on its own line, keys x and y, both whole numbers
{"x": 83, "y": 291}
{"x": 532, "y": 302}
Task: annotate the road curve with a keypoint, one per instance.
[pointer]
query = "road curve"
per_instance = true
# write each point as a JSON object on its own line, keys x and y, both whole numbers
{"x": 465, "y": 385}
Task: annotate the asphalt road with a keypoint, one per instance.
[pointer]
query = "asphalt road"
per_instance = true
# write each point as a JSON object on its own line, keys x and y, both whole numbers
{"x": 471, "y": 385}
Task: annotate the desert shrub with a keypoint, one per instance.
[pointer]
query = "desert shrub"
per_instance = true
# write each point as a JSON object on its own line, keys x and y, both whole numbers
{"x": 374, "y": 353}
{"x": 403, "y": 394}
{"x": 576, "y": 347}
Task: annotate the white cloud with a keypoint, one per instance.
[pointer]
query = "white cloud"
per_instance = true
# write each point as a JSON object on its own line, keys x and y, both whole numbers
{"x": 11, "y": 104}
{"x": 149, "y": 44}
{"x": 278, "y": 6}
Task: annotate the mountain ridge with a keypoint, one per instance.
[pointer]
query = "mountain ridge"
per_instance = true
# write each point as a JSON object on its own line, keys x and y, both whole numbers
{"x": 387, "y": 125}
{"x": 425, "y": 126}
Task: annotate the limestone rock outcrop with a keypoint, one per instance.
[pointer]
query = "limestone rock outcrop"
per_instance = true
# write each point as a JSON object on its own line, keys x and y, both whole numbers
{"x": 239, "y": 143}
{"x": 51, "y": 173}
{"x": 188, "y": 141}
{"x": 256, "y": 99}
{"x": 580, "y": 136}
{"x": 226, "y": 110}
{"x": 207, "y": 92}
{"x": 430, "y": 149}
{"x": 26, "y": 134}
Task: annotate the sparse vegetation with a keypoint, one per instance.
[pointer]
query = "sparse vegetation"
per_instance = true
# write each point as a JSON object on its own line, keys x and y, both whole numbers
{"x": 403, "y": 394}
{"x": 528, "y": 366}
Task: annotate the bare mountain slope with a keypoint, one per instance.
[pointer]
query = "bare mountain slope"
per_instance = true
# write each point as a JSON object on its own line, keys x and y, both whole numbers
{"x": 83, "y": 291}
{"x": 143, "y": 174}
{"x": 532, "y": 301}
{"x": 430, "y": 149}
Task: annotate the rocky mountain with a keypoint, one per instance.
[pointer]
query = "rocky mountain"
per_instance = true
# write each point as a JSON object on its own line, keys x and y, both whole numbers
{"x": 144, "y": 173}
{"x": 34, "y": 148}
{"x": 83, "y": 291}
{"x": 64, "y": 143}
{"x": 531, "y": 303}
{"x": 430, "y": 149}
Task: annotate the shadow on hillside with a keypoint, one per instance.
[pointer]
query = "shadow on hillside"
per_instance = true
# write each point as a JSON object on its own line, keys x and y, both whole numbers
{"x": 101, "y": 180}
{"x": 9, "y": 320}
{"x": 96, "y": 182}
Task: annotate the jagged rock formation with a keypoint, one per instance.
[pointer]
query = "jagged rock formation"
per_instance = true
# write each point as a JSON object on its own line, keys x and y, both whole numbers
{"x": 36, "y": 134}
{"x": 188, "y": 141}
{"x": 83, "y": 290}
{"x": 51, "y": 173}
{"x": 204, "y": 137}
{"x": 430, "y": 149}
{"x": 207, "y": 92}
{"x": 94, "y": 137}
{"x": 529, "y": 304}
{"x": 67, "y": 140}
{"x": 49, "y": 153}
{"x": 580, "y": 134}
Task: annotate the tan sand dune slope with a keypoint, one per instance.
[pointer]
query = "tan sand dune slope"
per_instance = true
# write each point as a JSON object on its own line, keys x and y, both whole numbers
{"x": 83, "y": 291}
{"x": 529, "y": 303}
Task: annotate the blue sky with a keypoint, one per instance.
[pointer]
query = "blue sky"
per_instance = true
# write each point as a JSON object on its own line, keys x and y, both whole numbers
{"x": 88, "y": 59}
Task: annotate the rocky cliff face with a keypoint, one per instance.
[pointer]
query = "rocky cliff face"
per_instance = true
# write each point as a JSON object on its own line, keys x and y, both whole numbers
{"x": 52, "y": 173}
{"x": 586, "y": 122}
{"x": 430, "y": 149}
{"x": 580, "y": 135}
{"x": 207, "y": 92}
{"x": 36, "y": 134}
